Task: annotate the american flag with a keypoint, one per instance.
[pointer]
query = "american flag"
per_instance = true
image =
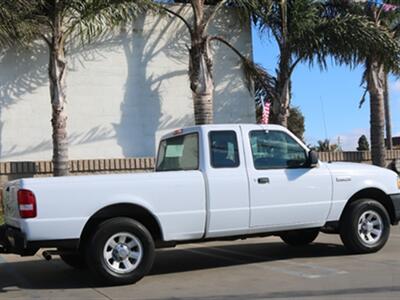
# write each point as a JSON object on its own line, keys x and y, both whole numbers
{"x": 265, "y": 113}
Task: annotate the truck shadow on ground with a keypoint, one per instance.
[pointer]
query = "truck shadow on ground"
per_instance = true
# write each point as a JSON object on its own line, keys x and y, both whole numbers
{"x": 41, "y": 274}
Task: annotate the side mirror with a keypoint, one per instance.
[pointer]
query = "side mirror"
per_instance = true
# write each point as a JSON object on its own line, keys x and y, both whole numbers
{"x": 312, "y": 158}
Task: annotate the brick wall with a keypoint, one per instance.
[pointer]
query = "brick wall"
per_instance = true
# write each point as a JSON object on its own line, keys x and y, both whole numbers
{"x": 15, "y": 170}
{"x": 357, "y": 156}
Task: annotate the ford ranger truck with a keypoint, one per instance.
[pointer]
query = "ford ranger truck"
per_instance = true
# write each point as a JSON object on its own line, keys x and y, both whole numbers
{"x": 210, "y": 183}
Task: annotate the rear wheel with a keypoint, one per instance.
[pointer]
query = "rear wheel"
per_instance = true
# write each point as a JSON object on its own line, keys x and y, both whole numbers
{"x": 300, "y": 237}
{"x": 365, "y": 226}
{"x": 121, "y": 251}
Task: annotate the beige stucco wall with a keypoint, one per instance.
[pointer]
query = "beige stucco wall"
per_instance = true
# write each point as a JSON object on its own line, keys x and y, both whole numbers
{"x": 120, "y": 91}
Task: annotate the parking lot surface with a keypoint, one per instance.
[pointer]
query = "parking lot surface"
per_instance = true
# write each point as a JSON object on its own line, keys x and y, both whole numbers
{"x": 251, "y": 269}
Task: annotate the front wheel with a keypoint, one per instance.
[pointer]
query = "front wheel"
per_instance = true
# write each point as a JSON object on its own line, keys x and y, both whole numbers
{"x": 121, "y": 251}
{"x": 365, "y": 226}
{"x": 300, "y": 237}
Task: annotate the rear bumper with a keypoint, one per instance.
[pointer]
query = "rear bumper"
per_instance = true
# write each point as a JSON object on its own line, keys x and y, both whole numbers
{"x": 396, "y": 205}
{"x": 12, "y": 240}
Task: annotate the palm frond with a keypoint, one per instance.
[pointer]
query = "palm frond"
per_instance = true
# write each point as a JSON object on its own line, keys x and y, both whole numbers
{"x": 12, "y": 29}
{"x": 320, "y": 30}
{"x": 82, "y": 19}
{"x": 258, "y": 79}
{"x": 255, "y": 75}
{"x": 90, "y": 19}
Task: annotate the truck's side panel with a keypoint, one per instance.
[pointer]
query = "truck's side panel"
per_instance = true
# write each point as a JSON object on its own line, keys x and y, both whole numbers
{"x": 350, "y": 178}
{"x": 293, "y": 197}
{"x": 177, "y": 199}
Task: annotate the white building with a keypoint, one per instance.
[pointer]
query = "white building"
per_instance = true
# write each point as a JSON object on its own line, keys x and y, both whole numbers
{"x": 120, "y": 91}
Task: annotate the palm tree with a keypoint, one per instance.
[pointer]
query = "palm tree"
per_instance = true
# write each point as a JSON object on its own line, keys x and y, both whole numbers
{"x": 375, "y": 75}
{"x": 313, "y": 31}
{"x": 59, "y": 23}
{"x": 201, "y": 61}
{"x": 388, "y": 118}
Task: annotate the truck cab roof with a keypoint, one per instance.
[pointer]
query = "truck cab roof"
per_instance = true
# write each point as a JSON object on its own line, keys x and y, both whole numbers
{"x": 210, "y": 127}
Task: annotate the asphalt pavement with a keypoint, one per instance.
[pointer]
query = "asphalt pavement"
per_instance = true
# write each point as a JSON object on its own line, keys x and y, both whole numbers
{"x": 250, "y": 269}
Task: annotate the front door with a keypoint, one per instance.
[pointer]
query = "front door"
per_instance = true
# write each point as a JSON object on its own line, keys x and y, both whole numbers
{"x": 285, "y": 190}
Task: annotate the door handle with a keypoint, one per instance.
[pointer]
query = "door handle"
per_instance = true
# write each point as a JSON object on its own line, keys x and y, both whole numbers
{"x": 263, "y": 180}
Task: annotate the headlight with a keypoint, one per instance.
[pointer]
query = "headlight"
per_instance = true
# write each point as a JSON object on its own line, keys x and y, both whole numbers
{"x": 398, "y": 182}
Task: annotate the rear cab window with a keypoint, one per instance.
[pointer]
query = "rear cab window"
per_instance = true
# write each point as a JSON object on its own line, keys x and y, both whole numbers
{"x": 224, "y": 149}
{"x": 179, "y": 153}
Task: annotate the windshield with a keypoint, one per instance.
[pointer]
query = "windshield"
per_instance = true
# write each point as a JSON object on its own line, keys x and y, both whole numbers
{"x": 180, "y": 153}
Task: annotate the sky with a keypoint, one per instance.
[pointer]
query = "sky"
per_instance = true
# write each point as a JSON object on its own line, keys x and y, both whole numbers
{"x": 329, "y": 99}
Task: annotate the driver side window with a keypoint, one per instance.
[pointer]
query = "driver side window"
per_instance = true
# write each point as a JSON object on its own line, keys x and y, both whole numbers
{"x": 276, "y": 150}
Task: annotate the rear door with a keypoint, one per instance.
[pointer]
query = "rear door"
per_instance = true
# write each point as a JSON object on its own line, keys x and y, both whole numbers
{"x": 227, "y": 182}
{"x": 285, "y": 191}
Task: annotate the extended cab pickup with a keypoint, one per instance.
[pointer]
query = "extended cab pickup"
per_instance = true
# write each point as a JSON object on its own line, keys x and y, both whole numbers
{"x": 211, "y": 182}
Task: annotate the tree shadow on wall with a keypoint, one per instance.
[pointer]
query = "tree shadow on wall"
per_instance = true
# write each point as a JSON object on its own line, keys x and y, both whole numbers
{"x": 141, "y": 109}
{"x": 23, "y": 71}
{"x": 234, "y": 103}
{"x": 165, "y": 40}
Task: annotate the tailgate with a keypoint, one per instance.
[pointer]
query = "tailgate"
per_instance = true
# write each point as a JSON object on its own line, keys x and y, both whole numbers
{"x": 10, "y": 203}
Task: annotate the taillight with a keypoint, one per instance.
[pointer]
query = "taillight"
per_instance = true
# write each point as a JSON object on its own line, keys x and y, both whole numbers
{"x": 26, "y": 204}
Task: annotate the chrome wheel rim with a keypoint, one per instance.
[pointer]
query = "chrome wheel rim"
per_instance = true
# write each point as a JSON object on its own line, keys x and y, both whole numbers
{"x": 370, "y": 227}
{"x": 123, "y": 252}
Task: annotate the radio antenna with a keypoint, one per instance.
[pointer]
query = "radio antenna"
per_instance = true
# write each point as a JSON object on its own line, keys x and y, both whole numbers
{"x": 323, "y": 117}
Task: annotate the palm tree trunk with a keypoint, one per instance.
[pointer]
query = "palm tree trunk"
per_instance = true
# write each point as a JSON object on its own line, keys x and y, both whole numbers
{"x": 202, "y": 87}
{"x": 57, "y": 76}
{"x": 280, "y": 108}
{"x": 388, "y": 119}
{"x": 376, "y": 86}
{"x": 200, "y": 68}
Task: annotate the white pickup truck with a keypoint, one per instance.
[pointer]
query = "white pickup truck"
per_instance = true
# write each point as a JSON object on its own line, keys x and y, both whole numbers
{"x": 211, "y": 182}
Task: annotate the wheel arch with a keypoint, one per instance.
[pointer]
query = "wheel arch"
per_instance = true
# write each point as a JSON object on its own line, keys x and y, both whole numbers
{"x": 129, "y": 210}
{"x": 375, "y": 194}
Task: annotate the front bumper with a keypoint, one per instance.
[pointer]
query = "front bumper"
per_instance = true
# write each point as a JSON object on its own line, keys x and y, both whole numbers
{"x": 396, "y": 205}
{"x": 12, "y": 240}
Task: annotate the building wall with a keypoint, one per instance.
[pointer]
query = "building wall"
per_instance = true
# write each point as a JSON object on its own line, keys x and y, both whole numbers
{"x": 121, "y": 90}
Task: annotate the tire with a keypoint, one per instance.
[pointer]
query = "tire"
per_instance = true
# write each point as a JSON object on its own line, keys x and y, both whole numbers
{"x": 365, "y": 226}
{"x": 121, "y": 251}
{"x": 300, "y": 237}
{"x": 74, "y": 260}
